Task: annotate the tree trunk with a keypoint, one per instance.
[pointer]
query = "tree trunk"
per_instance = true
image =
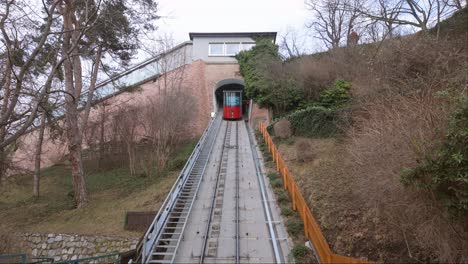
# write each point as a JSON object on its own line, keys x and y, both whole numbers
{"x": 6, "y": 96}
{"x": 79, "y": 184}
{"x": 72, "y": 67}
{"x": 37, "y": 158}
{"x": 74, "y": 137}
{"x": 3, "y": 165}
{"x": 74, "y": 149}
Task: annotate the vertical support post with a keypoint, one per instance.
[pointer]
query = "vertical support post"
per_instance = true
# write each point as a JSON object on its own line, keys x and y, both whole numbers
{"x": 304, "y": 219}
{"x": 293, "y": 194}
{"x": 285, "y": 180}
{"x": 278, "y": 166}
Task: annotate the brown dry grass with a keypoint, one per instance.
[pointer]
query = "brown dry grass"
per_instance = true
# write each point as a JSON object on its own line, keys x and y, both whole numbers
{"x": 399, "y": 125}
{"x": 395, "y": 135}
{"x": 303, "y": 151}
{"x": 399, "y": 119}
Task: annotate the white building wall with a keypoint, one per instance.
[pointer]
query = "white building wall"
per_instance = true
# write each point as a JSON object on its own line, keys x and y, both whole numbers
{"x": 201, "y": 44}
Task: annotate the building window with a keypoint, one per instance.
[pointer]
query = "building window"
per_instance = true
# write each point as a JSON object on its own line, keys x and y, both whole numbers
{"x": 216, "y": 49}
{"x": 247, "y": 45}
{"x": 232, "y": 49}
{"x": 228, "y": 48}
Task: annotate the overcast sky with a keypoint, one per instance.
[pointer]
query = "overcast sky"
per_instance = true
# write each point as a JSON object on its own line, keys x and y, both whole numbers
{"x": 184, "y": 16}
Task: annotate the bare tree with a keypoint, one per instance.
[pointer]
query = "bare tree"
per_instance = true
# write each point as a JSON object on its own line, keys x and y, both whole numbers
{"x": 458, "y": 4}
{"x": 291, "y": 44}
{"x": 333, "y": 19}
{"x": 126, "y": 122}
{"x": 171, "y": 64}
{"x": 329, "y": 21}
{"x": 164, "y": 130}
{"x": 419, "y": 14}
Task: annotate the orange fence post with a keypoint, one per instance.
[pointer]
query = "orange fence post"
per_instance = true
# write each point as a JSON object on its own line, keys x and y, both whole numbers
{"x": 270, "y": 143}
{"x": 285, "y": 181}
{"x": 293, "y": 193}
{"x": 278, "y": 168}
{"x": 306, "y": 224}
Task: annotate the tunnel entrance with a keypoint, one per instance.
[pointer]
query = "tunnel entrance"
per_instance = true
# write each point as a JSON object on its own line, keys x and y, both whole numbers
{"x": 227, "y": 87}
{"x": 230, "y": 85}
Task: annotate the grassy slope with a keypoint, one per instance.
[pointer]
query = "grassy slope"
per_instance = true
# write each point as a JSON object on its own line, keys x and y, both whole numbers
{"x": 327, "y": 186}
{"x": 112, "y": 193}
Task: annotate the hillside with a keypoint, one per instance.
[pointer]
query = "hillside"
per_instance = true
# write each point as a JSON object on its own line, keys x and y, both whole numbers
{"x": 375, "y": 136}
{"x": 113, "y": 192}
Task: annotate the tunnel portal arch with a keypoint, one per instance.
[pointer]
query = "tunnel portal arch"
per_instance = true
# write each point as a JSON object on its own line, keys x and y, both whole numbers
{"x": 226, "y": 84}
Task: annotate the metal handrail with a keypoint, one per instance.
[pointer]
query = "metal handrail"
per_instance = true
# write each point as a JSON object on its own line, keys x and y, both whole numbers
{"x": 198, "y": 188}
{"x": 158, "y": 223}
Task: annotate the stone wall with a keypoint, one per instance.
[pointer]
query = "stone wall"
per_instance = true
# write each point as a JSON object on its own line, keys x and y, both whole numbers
{"x": 71, "y": 247}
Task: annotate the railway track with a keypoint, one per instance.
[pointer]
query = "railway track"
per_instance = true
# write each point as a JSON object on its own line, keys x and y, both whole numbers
{"x": 210, "y": 242}
{"x": 220, "y": 208}
{"x": 161, "y": 240}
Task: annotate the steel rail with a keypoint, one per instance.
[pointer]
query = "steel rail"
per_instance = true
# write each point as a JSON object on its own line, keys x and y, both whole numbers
{"x": 213, "y": 200}
{"x": 266, "y": 206}
{"x": 237, "y": 196}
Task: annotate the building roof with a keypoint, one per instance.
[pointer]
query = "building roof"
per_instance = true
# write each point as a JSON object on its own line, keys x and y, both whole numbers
{"x": 233, "y": 34}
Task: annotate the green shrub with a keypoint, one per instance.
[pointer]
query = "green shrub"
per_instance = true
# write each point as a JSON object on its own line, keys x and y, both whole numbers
{"x": 275, "y": 183}
{"x": 316, "y": 121}
{"x": 446, "y": 174}
{"x": 299, "y": 252}
{"x": 335, "y": 96}
{"x": 286, "y": 211}
{"x": 294, "y": 227}
{"x": 176, "y": 164}
{"x": 270, "y": 129}
{"x": 267, "y": 80}
{"x": 273, "y": 175}
{"x": 282, "y": 196}
{"x": 181, "y": 155}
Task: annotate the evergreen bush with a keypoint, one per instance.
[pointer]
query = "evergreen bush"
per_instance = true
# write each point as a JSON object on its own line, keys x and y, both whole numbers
{"x": 446, "y": 174}
{"x": 316, "y": 121}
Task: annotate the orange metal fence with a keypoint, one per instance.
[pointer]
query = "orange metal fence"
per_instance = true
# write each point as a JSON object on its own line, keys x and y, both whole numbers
{"x": 311, "y": 228}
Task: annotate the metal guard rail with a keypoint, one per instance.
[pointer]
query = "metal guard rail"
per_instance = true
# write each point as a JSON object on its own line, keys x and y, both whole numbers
{"x": 311, "y": 228}
{"x": 158, "y": 223}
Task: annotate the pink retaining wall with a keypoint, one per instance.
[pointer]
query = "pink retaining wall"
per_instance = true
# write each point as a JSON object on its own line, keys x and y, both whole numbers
{"x": 198, "y": 80}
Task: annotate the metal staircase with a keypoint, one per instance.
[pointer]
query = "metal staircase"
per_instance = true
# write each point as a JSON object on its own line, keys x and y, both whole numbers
{"x": 160, "y": 243}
